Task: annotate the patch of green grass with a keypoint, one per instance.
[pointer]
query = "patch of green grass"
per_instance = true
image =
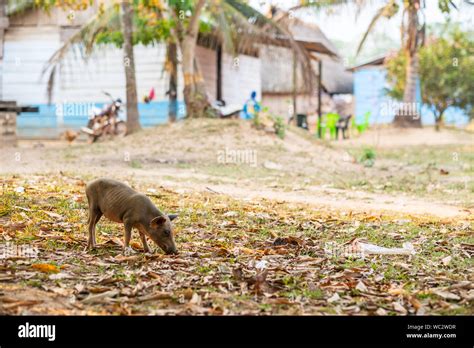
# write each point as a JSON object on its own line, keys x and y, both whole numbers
{"x": 135, "y": 164}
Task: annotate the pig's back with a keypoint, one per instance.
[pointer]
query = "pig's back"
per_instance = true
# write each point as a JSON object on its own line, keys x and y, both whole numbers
{"x": 110, "y": 196}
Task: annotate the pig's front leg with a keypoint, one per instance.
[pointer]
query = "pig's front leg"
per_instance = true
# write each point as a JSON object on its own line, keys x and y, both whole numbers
{"x": 128, "y": 235}
{"x": 145, "y": 244}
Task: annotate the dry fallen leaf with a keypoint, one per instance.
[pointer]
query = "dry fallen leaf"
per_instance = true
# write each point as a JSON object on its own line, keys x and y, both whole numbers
{"x": 415, "y": 303}
{"x": 446, "y": 295}
{"x": 334, "y": 298}
{"x": 399, "y": 308}
{"x": 45, "y": 267}
{"x": 361, "y": 286}
{"x": 446, "y": 260}
{"x": 103, "y": 297}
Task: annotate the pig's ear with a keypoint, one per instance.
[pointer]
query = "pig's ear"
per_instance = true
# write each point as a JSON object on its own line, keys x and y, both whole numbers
{"x": 172, "y": 216}
{"x": 158, "y": 221}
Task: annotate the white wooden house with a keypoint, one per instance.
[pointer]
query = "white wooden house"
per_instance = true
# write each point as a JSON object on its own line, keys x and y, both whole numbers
{"x": 33, "y": 36}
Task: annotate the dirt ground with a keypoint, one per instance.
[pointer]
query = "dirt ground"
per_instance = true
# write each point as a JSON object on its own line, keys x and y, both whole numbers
{"x": 263, "y": 223}
{"x": 191, "y": 156}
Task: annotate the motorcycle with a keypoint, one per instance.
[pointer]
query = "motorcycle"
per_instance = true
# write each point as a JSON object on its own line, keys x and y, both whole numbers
{"x": 106, "y": 122}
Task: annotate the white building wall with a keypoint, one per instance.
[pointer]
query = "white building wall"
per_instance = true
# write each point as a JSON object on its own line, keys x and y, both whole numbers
{"x": 241, "y": 76}
{"x": 27, "y": 49}
{"x": 25, "y": 52}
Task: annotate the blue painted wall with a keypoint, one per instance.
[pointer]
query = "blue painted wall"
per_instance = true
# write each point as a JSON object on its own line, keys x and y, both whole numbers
{"x": 47, "y": 124}
{"x": 369, "y": 85}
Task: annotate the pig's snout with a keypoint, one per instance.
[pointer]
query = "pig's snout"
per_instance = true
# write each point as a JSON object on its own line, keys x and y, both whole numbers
{"x": 172, "y": 250}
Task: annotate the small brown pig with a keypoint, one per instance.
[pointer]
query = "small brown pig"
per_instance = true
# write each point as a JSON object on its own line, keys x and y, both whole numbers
{"x": 120, "y": 203}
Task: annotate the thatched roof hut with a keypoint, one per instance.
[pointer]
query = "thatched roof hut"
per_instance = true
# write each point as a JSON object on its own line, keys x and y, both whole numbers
{"x": 284, "y": 86}
{"x": 277, "y": 62}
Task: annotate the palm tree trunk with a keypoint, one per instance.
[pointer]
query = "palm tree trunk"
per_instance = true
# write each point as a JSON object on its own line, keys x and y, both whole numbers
{"x": 173, "y": 82}
{"x": 133, "y": 122}
{"x": 195, "y": 96}
{"x": 408, "y": 115}
{"x": 439, "y": 118}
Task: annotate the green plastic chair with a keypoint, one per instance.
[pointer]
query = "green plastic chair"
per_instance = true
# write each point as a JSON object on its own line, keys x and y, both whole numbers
{"x": 329, "y": 123}
{"x": 362, "y": 127}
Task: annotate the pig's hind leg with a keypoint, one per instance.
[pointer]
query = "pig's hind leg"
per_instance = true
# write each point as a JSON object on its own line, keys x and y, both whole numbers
{"x": 94, "y": 216}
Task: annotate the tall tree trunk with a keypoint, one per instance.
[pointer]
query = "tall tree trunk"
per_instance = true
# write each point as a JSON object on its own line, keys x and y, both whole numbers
{"x": 3, "y": 26}
{"x": 172, "y": 58}
{"x": 439, "y": 119}
{"x": 133, "y": 122}
{"x": 408, "y": 115}
{"x": 293, "y": 116}
{"x": 195, "y": 96}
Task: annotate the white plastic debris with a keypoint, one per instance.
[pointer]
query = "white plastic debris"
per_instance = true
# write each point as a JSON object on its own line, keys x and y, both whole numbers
{"x": 366, "y": 248}
{"x": 20, "y": 189}
{"x": 361, "y": 249}
{"x": 262, "y": 264}
{"x": 272, "y": 165}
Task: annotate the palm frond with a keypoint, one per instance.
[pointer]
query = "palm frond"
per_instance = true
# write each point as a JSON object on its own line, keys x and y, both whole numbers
{"x": 387, "y": 11}
{"x": 15, "y": 7}
{"x": 81, "y": 42}
{"x": 253, "y": 28}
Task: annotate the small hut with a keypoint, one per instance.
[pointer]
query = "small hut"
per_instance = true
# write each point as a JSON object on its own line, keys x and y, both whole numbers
{"x": 284, "y": 89}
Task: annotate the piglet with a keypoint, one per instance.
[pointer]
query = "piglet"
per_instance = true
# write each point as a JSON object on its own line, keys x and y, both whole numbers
{"x": 120, "y": 203}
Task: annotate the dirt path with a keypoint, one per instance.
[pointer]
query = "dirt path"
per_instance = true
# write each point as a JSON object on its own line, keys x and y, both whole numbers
{"x": 337, "y": 199}
{"x": 392, "y": 137}
{"x": 175, "y": 156}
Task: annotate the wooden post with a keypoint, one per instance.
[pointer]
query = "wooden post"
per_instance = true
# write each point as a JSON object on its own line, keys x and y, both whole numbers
{"x": 320, "y": 116}
{"x": 295, "y": 87}
{"x": 8, "y": 124}
{"x": 219, "y": 72}
{"x": 3, "y": 25}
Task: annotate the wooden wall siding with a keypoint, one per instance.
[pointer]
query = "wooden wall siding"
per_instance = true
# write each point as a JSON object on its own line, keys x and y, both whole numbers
{"x": 28, "y": 48}
{"x": 277, "y": 70}
{"x": 305, "y": 104}
{"x": 105, "y": 72}
{"x": 207, "y": 61}
{"x": 1, "y": 80}
{"x": 240, "y": 76}
{"x": 26, "y": 51}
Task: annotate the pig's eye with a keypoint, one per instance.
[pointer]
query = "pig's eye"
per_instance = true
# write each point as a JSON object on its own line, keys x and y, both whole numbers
{"x": 167, "y": 232}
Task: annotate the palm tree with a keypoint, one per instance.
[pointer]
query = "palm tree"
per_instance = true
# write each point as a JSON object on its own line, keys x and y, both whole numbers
{"x": 235, "y": 25}
{"x": 411, "y": 39}
{"x": 408, "y": 115}
{"x": 87, "y": 36}
{"x": 186, "y": 34}
{"x": 133, "y": 122}
{"x": 172, "y": 65}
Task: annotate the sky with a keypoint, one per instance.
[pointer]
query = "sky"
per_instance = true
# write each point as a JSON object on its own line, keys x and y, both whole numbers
{"x": 343, "y": 26}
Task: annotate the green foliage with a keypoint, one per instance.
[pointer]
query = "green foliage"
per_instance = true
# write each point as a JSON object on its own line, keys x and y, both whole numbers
{"x": 368, "y": 157}
{"x": 446, "y": 65}
{"x": 149, "y": 28}
{"x": 279, "y": 126}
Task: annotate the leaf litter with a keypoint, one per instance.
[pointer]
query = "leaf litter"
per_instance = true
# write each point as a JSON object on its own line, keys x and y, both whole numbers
{"x": 253, "y": 257}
